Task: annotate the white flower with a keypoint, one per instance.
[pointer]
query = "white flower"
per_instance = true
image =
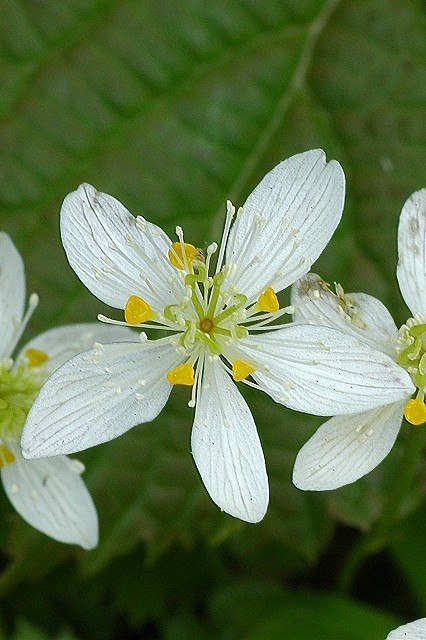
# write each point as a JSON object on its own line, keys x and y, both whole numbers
{"x": 347, "y": 447}
{"x": 412, "y": 631}
{"x": 48, "y": 493}
{"x": 216, "y": 328}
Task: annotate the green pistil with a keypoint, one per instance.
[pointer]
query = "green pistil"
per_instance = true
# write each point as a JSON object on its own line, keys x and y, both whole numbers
{"x": 18, "y": 389}
{"x": 210, "y": 341}
{"x": 197, "y": 305}
{"x": 413, "y": 357}
{"x": 207, "y": 329}
{"x": 171, "y": 311}
{"x": 242, "y": 299}
{"x": 192, "y": 280}
{"x": 217, "y": 283}
{"x": 419, "y": 330}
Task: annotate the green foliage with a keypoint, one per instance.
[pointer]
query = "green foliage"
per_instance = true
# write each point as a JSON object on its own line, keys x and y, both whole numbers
{"x": 173, "y": 107}
{"x": 262, "y": 612}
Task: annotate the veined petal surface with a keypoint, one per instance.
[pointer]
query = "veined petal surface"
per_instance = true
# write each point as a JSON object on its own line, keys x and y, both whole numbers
{"x": 62, "y": 343}
{"x": 286, "y": 223}
{"x": 358, "y": 314}
{"x": 112, "y": 254}
{"x": 51, "y": 496}
{"x": 345, "y": 448}
{"x": 411, "y": 269}
{"x": 98, "y": 395}
{"x": 323, "y": 371}
{"x": 12, "y": 292}
{"x": 412, "y": 631}
{"x": 227, "y": 449}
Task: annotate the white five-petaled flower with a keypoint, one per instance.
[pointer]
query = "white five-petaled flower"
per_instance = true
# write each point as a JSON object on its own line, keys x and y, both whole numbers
{"x": 217, "y": 327}
{"x": 347, "y": 447}
{"x": 412, "y": 631}
{"x": 48, "y": 493}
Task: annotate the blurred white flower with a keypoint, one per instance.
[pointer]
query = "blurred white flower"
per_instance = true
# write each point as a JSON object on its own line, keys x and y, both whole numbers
{"x": 217, "y": 328}
{"x": 347, "y": 447}
{"x": 48, "y": 493}
{"x": 412, "y": 631}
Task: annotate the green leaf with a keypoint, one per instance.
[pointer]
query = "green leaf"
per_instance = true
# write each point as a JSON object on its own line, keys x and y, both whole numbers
{"x": 26, "y": 631}
{"x": 321, "y": 617}
{"x": 408, "y": 549}
{"x": 258, "y": 611}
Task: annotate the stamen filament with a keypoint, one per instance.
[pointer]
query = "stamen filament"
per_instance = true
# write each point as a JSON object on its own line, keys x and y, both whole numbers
{"x": 230, "y": 211}
{"x": 21, "y": 324}
{"x": 122, "y": 323}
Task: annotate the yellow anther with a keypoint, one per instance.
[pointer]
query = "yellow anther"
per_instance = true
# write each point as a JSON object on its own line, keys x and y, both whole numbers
{"x": 268, "y": 301}
{"x": 241, "y": 370}
{"x": 36, "y": 357}
{"x": 415, "y": 411}
{"x": 6, "y": 456}
{"x": 137, "y": 311}
{"x": 176, "y": 256}
{"x": 183, "y": 374}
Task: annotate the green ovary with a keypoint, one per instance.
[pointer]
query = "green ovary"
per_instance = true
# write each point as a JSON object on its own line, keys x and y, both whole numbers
{"x": 19, "y": 386}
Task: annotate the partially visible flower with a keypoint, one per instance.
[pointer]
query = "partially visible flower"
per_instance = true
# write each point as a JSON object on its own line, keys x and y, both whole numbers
{"x": 48, "y": 493}
{"x": 412, "y": 631}
{"x": 218, "y": 328}
{"x": 347, "y": 447}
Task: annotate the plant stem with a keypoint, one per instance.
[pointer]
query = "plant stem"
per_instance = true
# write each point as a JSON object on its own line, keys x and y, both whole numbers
{"x": 378, "y": 536}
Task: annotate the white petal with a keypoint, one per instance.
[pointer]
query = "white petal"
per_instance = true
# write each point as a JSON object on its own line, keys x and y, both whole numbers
{"x": 359, "y": 314}
{"x": 110, "y": 253}
{"x": 412, "y": 631}
{"x": 345, "y": 448}
{"x": 286, "y": 223}
{"x": 411, "y": 269}
{"x": 98, "y": 395}
{"x": 62, "y": 343}
{"x": 12, "y": 292}
{"x": 323, "y": 371}
{"x": 50, "y": 495}
{"x": 227, "y": 449}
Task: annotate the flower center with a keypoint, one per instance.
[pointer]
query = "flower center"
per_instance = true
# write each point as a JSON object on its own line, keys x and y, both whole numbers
{"x": 209, "y": 315}
{"x": 412, "y": 356}
{"x": 206, "y": 325}
{"x": 19, "y": 385}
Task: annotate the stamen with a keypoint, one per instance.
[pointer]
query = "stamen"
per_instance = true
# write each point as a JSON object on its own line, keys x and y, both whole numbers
{"x": 162, "y": 326}
{"x": 6, "y": 456}
{"x": 182, "y": 254}
{"x": 230, "y": 212}
{"x": 137, "y": 311}
{"x": 21, "y": 324}
{"x": 196, "y": 389}
{"x": 262, "y": 320}
{"x": 183, "y": 374}
{"x": 268, "y": 301}
{"x": 415, "y": 411}
{"x": 241, "y": 370}
{"x": 36, "y": 357}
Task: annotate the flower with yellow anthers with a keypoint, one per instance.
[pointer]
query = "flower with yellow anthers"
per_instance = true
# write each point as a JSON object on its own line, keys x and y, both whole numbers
{"x": 347, "y": 447}
{"x": 218, "y": 325}
{"x": 48, "y": 493}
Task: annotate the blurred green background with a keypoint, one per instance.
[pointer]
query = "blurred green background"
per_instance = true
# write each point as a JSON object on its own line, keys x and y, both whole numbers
{"x": 173, "y": 106}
